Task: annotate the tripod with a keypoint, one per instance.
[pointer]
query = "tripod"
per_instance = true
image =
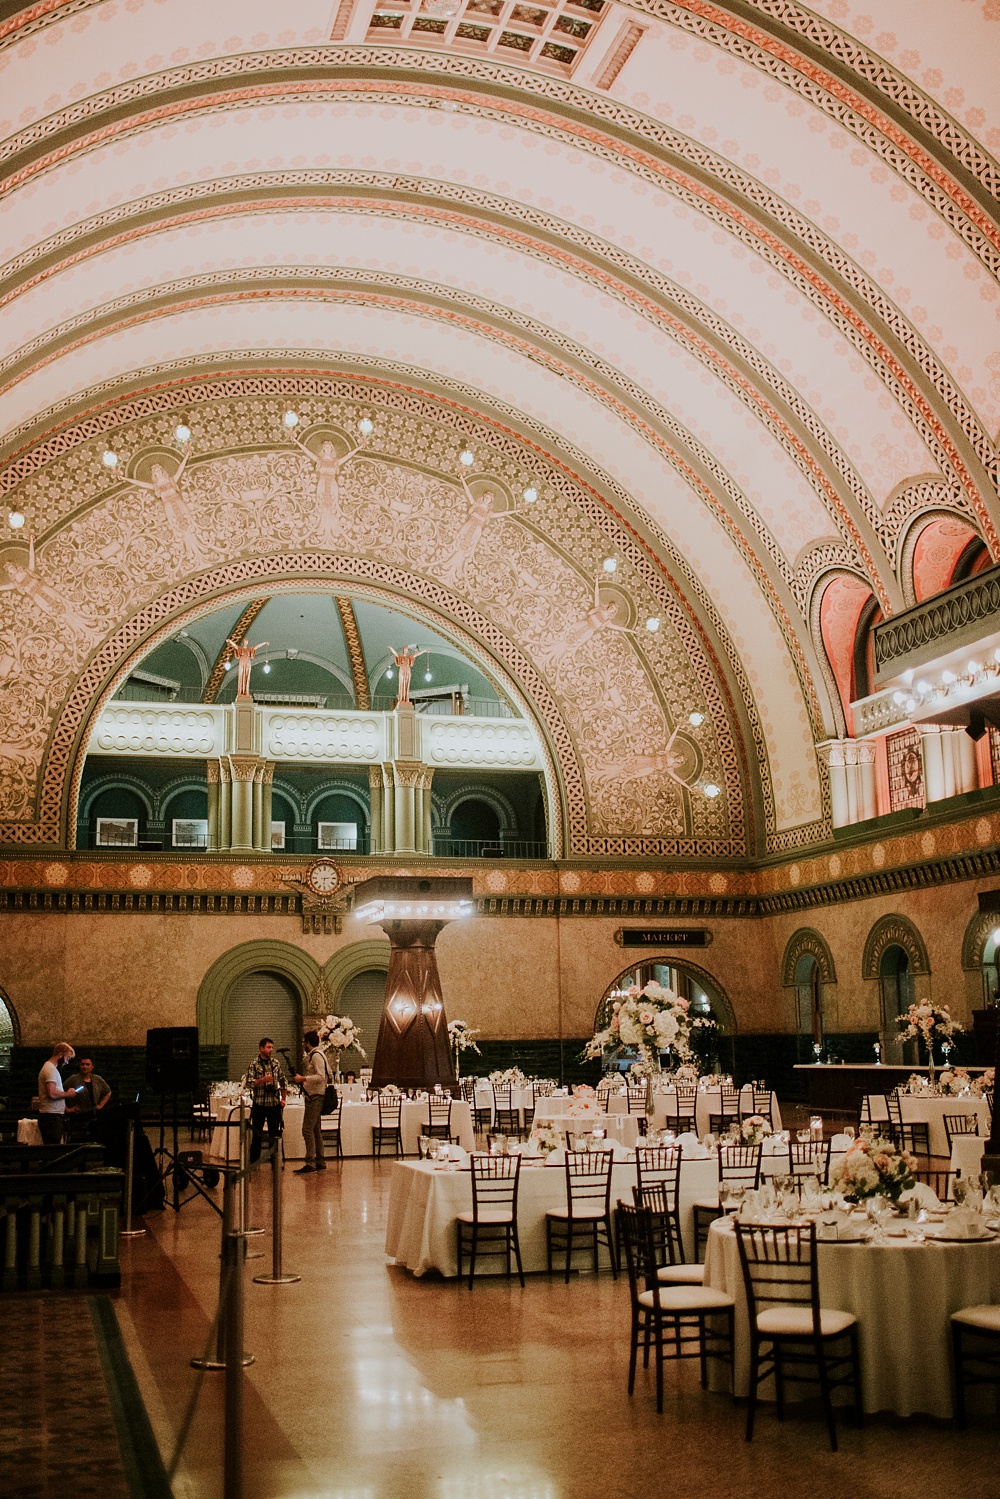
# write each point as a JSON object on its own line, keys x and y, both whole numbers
{"x": 184, "y": 1168}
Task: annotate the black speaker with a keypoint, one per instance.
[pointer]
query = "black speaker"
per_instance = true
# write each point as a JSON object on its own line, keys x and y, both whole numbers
{"x": 172, "y": 1059}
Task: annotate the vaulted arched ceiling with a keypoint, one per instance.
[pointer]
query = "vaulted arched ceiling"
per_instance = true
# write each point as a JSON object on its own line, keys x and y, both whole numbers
{"x": 723, "y": 284}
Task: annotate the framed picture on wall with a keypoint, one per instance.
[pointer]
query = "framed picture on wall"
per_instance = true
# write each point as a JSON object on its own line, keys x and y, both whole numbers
{"x": 277, "y": 835}
{"x": 189, "y": 832}
{"x": 117, "y": 832}
{"x": 337, "y": 834}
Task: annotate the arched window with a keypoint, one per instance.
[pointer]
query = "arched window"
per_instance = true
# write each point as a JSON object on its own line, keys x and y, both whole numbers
{"x": 845, "y": 600}
{"x": 809, "y": 997}
{"x": 863, "y": 672}
{"x": 711, "y": 1039}
{"x": 895, "y": 985}
{"x": 474, "y": 821}
{"x": 946, "y": 551}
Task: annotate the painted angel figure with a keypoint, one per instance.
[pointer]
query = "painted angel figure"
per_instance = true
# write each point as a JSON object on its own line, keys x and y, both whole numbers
{"x": 667, "y": 761}
{"x": 327, "y": 464}
{"x": 599, "y": 617}
{"x": 404, "y": 660}
{"x": 45, "y": 598}
{"x": 179, "y": 513}
{"x": 244, "y": 655}
{"x": 479, "y": 516}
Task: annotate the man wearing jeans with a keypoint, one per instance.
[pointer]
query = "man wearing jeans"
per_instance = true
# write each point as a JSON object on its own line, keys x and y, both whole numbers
{"x": 268, "y": 1086}
{"x": 52, "y": 1095}
{"x": 314, "y": 1081}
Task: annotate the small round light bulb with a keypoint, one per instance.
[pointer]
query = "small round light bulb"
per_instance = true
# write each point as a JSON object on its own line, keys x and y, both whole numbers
{"x": 696, "y": 719}
{"x": 711, "y": 790}
{"x": 109, "y": 459}
{"x": 531, "y": 495}
{"x": 366, "y": 426}
{"x": 182, "y": 432}
{"x": 15, "y": 520}
{"x": 610, "y": 564}
{"x": 291, "y": 419}
{"x": 653, "y": 624}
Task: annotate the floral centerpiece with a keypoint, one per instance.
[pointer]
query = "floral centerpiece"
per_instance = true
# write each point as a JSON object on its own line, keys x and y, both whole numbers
{"x": 338, "y": 1033}
{"x": 927, "y": 1023}
{"x": 686, "y": 1074}
{"x": 874, "y": 1168}
{"x": 752, "y": 1130}
{"x": 650, "y": 1019}
{"x": 983, "y": 1083}
{"x": 508, "y": 1077}
{"x": 462, "y": 1038}
{"x": 954, "y": 1082}
{"x": 546, "y": 1137}
{"x": 917, "y": 1083}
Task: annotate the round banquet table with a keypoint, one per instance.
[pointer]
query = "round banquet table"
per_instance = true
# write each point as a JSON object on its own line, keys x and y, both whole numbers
{"x": 917, "y": 1109}
{"x": 902, "y": 1294}
{"x": 356, "y": 1121}
{"x": 623, "y": 1127}
{"x": 708, "y": 1101}
{"x": 521, "y": 1097}
{"x": 967, "y": 1154}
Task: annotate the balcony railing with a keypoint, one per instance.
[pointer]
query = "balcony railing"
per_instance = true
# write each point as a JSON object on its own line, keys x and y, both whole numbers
{"x": 489, "y": 848}
{"x": 332, "y": 702}
{"x": 950, "y": 621}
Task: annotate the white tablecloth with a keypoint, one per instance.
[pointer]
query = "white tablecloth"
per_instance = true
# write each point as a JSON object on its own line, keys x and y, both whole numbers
{"x": 708, "y": 1101}
{"x": 356, "y": 1121}
{"x": 931, "y": 1111}
{"x": 617, "y": 1126}
{"x": 967, "y": 1154}
{"x": 520, "y": 1098}
{"x": 28, "y": 1132}
{"x": 424, "y": 1203}
{"x": 902, "y": 1294}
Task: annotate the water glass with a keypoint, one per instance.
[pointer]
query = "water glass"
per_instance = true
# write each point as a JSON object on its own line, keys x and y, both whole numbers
{"x": 803, "y": 1136}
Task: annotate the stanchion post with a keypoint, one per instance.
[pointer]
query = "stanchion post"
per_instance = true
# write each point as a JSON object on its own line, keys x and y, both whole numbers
{"x": 276, "y": 1278}
{"x": 235, "y": 1360}
{"x": 245, "y": 1169}
{"x": 225, "y": 1280}
{"x": 128, "y": 1232}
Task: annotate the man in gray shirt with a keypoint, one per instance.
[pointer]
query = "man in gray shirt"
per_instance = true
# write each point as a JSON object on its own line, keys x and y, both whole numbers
{"x": 95, "y": 1095}
{"x": 314, "y": 1082}
{"x": 52, "y": 1095}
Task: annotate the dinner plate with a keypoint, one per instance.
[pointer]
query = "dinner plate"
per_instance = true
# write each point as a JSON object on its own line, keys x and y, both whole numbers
{"x": 960, "y": 1238}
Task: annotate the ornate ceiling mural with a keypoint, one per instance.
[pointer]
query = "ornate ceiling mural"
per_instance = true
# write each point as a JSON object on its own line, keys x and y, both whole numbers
{"x": 723, "y": 285}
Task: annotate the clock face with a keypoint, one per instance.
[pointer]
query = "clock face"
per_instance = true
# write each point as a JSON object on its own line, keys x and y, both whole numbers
{"x": 323, "y": 877}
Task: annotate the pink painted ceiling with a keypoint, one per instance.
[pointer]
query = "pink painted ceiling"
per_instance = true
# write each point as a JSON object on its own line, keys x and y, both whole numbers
{"x": 745, "y": 289}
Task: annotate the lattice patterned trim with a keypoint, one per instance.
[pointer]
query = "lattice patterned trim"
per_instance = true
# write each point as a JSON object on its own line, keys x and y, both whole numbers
{"x": 180, "y": 385}
{"x": 761, "y": 238}
{"x": 355, "y": 652}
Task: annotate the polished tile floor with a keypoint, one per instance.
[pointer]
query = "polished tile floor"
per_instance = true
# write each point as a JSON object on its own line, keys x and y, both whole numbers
{"x": 369, "y": 1384}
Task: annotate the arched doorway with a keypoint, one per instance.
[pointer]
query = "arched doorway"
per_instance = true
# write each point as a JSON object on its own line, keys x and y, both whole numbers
{"x": 711, "y": 1040}
{"x": 809, "y": 997}
{"x": 363, "y": 998}
{"x": 262, "y": 1004}
{"x": 8, "y": 1036}
{"x": 474, "y": 826}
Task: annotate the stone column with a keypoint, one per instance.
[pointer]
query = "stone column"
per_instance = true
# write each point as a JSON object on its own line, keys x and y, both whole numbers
{"x": 832, "y": 755}
{"x": 412, "y": 1049}
{"x": 212, "y": 774}
{"x": 388, "y": 809}
{"x": 243, "y": 772}
{"x": 225, "y": 803}
{"x": 851, "y": 763}
{"x": 375, "y": 800}
{"x": 267, "y": 809}
{"x": 405, "y": 778}
{"x": 428, "y": 829}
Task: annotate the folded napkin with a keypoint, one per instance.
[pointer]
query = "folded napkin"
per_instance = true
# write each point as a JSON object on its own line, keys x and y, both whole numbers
{"x": 925, "y": 1195}
{"x": 840, "y": 1143}
{"x": 692, "y": 1148}
{"x": 962, "y": 1223}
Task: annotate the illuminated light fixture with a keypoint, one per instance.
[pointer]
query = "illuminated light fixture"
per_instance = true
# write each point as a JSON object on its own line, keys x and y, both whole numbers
{"x": 947, "y": 677}
{"x": 389, "y": 672}
{"x": 899, "y": 698}
{"x": 911, "y": 703}
{"x": 711, "y": 790}
{"x": 290, "y": 419}
{"x": 973, "y": 668}
{"x": 428, "y": 676}
{"x": 393, "y": 910}
{"x": 182, "y": 432}
{"x": 267, "y": 667}
{"x": 610, "y": 564}
{"x": 466, "y": 457}
{"x": 696, "y": 720}
{"x": 653, "y": 624}
{"x": 228, "y": 665}
{"x": 366, "y": 426}
{"x": 15, "y": 520}
{"x": 923, "y": 688}
{"x": 531, "y": 495}
{"x": 109, "y": 459}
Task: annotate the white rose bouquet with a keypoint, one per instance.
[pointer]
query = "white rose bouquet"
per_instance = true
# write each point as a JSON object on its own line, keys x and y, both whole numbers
{"x": 983, "y": 1083}
{"x": 339, "y": 1033}
{"x": 650, "y": 1019}
{"x": 874, "y": 1168}
{"x": 753, "y": 1130}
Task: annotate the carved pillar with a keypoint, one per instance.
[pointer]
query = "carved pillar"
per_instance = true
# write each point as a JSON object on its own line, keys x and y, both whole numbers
{"x": 212, "y": 775}
{"x": 375, "y": 799}
{"x": 243, "y": 773}
{"x": 428, "y": 826}
{"x": 406, "y": 779}
{"x": 225, "y": 803}
{"x": 851, "y": 763}
{"x": 412, "y": 1050}
{"x": 262, "y": 784}
{"x": 832, "y": 755}
{"x": 949, "y": 761}
{"x": 388, "y": 809}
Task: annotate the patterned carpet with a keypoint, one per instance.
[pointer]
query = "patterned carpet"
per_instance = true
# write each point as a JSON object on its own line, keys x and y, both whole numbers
{"x": 72, "y": 1420}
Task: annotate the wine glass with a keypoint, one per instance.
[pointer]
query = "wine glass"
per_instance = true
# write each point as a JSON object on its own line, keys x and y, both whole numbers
{"x": 877, "y": 1209}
